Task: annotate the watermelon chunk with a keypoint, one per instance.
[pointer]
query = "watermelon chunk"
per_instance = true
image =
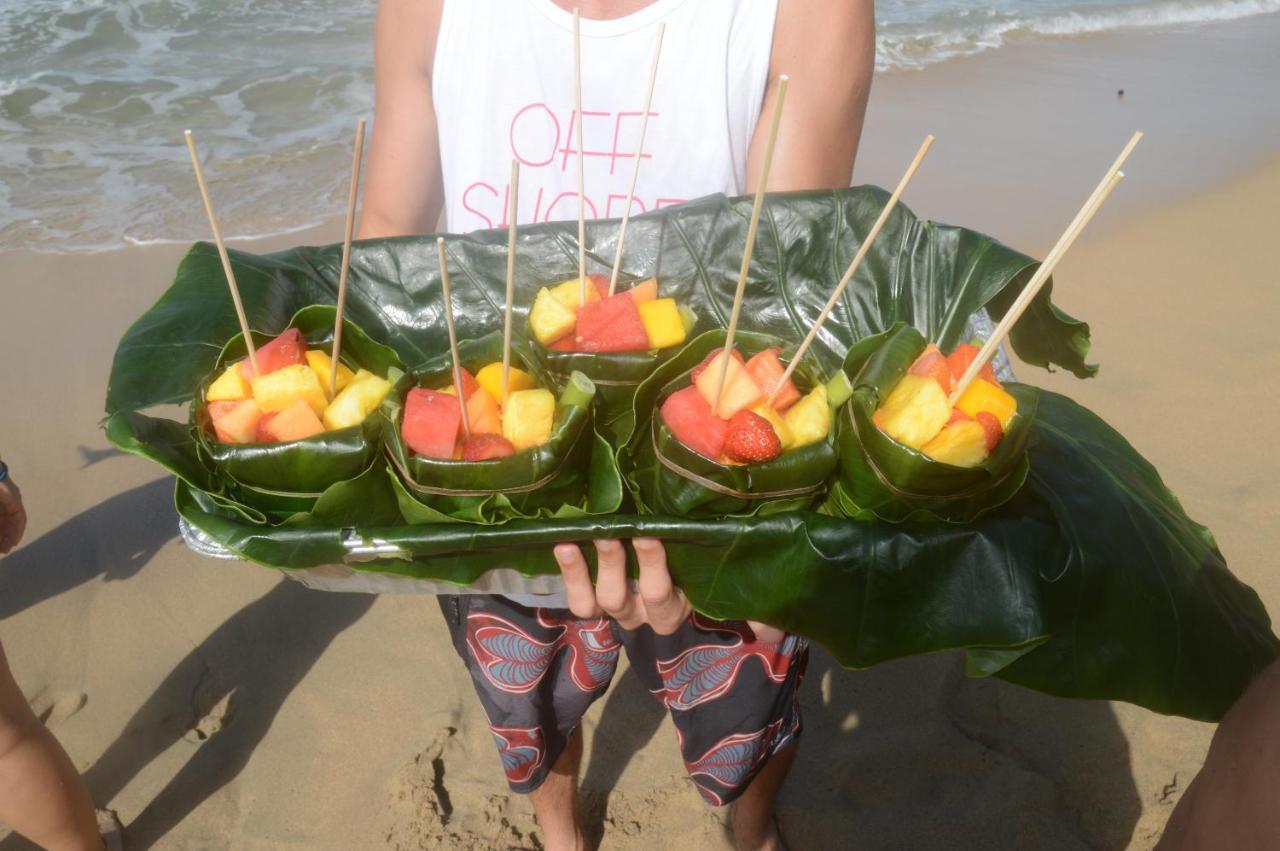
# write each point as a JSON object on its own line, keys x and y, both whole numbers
{"x": 287, "y": 349}
{"x": 766, "y": 368}
{"x": 689, "y": 418}
{"x": 431, "y": 422}
{"x": 612, "y": 325}
{"x": 934, "y": 364}
{"x": 965, "y": 354}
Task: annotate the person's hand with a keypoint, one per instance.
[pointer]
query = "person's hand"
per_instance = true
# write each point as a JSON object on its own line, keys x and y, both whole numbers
{"x": 13, "y": 517}
{"x": 657, "y": 603}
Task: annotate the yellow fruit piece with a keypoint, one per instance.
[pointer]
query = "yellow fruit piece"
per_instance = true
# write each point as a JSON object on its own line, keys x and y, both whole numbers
{"x": 962, "y": 444}
{"x": 490, "y": 378}
{"x": 319, "y": 362}
{"x": 549, "y": 319}
{"x": 982, "y": 395}
{"x": 809, "y": 420}
{"x": 277, "y": 390}
{"x": 527, "y": 418}
{"x": 780, "y": 427}
{"x": 740, "y": 389}
{"x": 356, "y": 401}
{"x": 915, "y": 411}
{"x": 662, "y": 322}
{"x": 229, "y": 387}
{"x": 569, "y": 294}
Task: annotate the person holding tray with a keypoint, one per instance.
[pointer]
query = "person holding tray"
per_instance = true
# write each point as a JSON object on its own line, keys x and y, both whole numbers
{"x": 462, "y": 87}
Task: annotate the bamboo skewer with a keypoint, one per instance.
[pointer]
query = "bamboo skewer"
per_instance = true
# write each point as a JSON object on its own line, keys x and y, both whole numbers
{"x": 1091, "y": 206}
{"x": 853, "y": 267}
{"x": 635, "y": 169}
{"x": 352, "y": 194}
{"x": 453, "y": 337}
{"x": 577, "y": 99}
{"x": 511, "y": 278}
{"x": 750, "y": 247}
{"x": 222, "y": 252}
{"x": 1037, "y": 281}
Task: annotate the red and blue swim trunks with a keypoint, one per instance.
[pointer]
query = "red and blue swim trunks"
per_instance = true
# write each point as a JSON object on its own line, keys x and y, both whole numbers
{"x": 733, "y": 699}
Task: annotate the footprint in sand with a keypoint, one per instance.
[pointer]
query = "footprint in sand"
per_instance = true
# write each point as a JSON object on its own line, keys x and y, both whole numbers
{"x": 54, "y": 707}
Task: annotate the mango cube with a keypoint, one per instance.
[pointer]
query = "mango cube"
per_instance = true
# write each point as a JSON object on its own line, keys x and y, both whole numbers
{"x": 915, "y": 411}
{"x": 356, "y": 401}
{"x": 962, "y": 444}
{"x": 490, "y": 378}
{"x": 982, "y": 395}
{"x": 527, "y": 418}
{"x": 549, "y": 319}
{"x": 662, "y": 322}
{"x": 320, "y": 362}
{"x": 809, "y": 420}
{"x": 229, "y": 387}
{"x": 275, "y": 391}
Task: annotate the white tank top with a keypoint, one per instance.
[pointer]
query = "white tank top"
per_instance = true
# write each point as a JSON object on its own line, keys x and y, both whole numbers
{"x": 503, "y": 87}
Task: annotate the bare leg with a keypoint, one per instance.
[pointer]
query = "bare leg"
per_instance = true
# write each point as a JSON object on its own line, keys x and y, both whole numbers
{"x": 41, "y": 795}
{"x": 555, "y": 802}
{"x": 751, "y": 816}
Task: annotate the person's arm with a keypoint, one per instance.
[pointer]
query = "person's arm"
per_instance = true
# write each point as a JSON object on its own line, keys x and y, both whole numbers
{"x": 828, "y": 49}
{"x": 403, "y": 190}
{"x": 13, "y": 517}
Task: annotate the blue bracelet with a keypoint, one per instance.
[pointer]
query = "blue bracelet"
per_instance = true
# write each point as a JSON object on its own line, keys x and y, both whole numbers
{"x": 4, "y": 471}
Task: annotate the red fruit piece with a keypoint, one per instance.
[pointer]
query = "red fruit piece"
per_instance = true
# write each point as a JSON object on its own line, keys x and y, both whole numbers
{"x": 751, "y": 439}
{"x": 965, "y": 354}
{"x": 766, "y": 368}
{"x": 933, "y": 364}
{"x": 564, "y": 344}
{"x": 690, "y": 419}
{"x": 956, "y": 416}
{"x": 469, "y": 384}
{"x": 287, "y": 349}
{"x": 611, "y": 325}
{"x": 601, "y": 283}
{"x": 711, "y": 355}
{"x": 486, "y": 447}
{"x": 431, "y": 421}
{"x": 991, "y": 425}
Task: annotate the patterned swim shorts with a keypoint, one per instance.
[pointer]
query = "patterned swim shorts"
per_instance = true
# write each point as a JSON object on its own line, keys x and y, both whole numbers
{"x": 733, "y": 699}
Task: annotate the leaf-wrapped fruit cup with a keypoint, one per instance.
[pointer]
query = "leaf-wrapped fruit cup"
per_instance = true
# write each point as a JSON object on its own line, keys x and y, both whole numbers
{"x": 880, "y": 477}
{"x": 667, "y": 477}
{"x": 555, "y": 479}
{"x": 286, "y": 478}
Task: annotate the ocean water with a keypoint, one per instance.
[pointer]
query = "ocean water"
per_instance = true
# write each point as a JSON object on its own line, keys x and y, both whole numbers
{"x": 94, "y": 97}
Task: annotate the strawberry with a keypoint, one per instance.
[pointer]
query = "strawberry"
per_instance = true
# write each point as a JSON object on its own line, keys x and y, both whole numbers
{"x": 565, "y": 344}
{"x": 991, "y": 426}
{"x": 706, "y": 362}
{"x": 751, "y": 439}
{"x": 486, "y": 447}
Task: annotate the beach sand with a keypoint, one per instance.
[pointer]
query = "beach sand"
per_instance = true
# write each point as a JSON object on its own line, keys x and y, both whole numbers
{"x": 215, "y": 705}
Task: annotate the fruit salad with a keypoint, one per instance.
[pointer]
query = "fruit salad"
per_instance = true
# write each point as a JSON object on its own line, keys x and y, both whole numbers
{"x": 633, "y": 320}
{"x": 744, "y": 428}
{"x": 918, "y": 412}
{"x": 288, "y": 399}
{"x": 499, "y": 427}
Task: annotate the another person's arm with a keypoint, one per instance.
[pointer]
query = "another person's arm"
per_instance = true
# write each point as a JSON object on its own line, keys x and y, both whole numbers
{"x": 828, "y": 49}
{"x": 13, "y": 517}
{"x": 403, "y": 191}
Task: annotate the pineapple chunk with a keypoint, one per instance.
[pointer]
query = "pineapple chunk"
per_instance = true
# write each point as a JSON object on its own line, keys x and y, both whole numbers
{"x": 490, "y": 378}
{"x": 550, "y": 319}
{"x": 780, "y": 427}
{"x": 809, "y": 420}
{"x": 662, "y": 322}
{"x": 319, "y": 362}
{"x": 527, "y": 418}
{"x": 740, "y": 389}
{"x": 275, "y": 391}
{"x": 962, "y": 444}
{"x": 229, "y": 387}
{"x": 357, "y": 401}
{"x": 569, "y": 293}
{"x": 982, "y": 395}
{"x": 915, "y": 411}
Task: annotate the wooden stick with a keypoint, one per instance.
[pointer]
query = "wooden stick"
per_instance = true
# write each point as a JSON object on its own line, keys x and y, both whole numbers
{"x": 511, "y": 278}
{"x": 635, "y": 169}
{"x": 853, "y": 267}
{"x": 1020, "y": 304}
{"x": 750, "y": 247}
{"x": 453, "y": 337}
{"x": 1037, "y": 281}
{"x": 222, "y": 252}
{"x": 352, "y": 193}
{"x": 577, "y": 99}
